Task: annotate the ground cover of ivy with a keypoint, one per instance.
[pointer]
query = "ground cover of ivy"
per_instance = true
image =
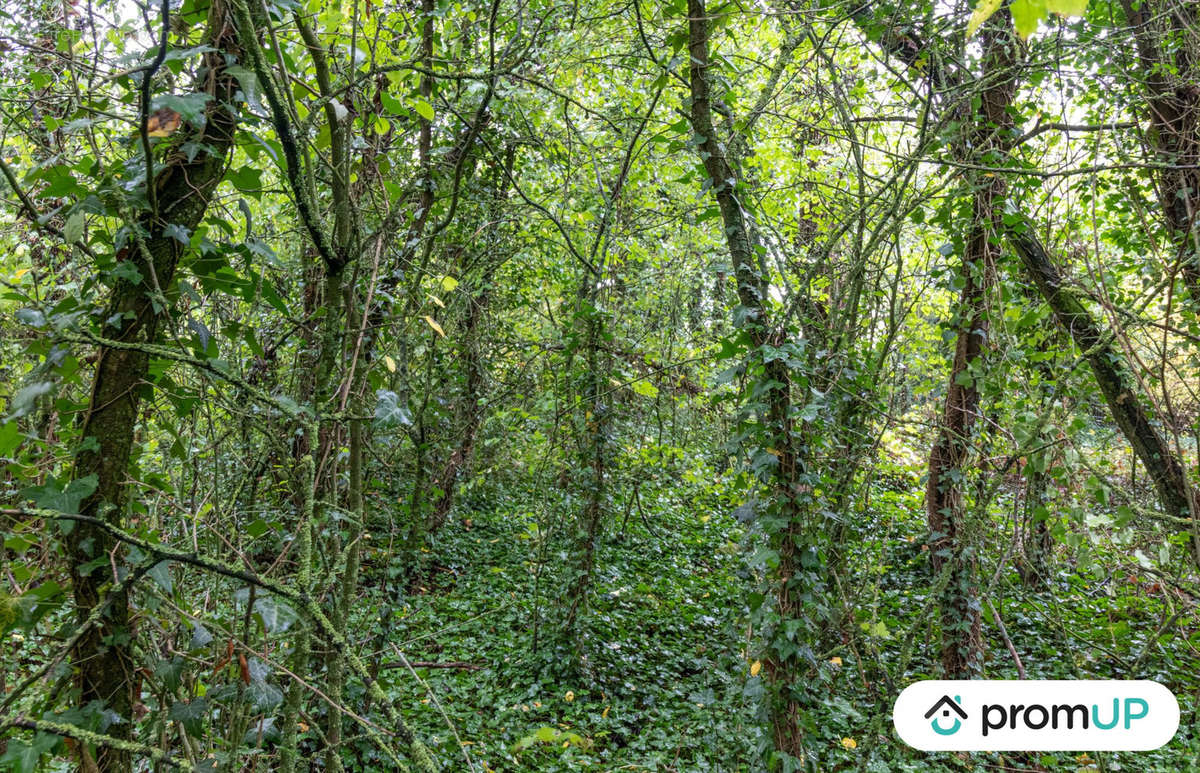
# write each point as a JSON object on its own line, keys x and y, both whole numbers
{"x": 669, "y": 683}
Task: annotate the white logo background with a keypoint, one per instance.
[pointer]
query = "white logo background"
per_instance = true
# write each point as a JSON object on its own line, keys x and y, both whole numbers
{"x": 1134, "y": 697}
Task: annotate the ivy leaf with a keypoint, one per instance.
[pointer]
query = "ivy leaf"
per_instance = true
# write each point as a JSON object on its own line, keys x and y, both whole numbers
{"x": 63, "y": 499}
{"x": 178, "y": 233}
{"x": 161, "y": 574}
{"x": 202, "y": 332}
{"x": 263, "y": 696}
{"x": 276, "y": 615}
{"x": 190, "y": 108}
{"x": 388, "y": 410}
{"x": 22, "y": 757}
{"x": 31, "y": 317}
{"x": 249, "y": 84}
{"x": 190, "y": 714}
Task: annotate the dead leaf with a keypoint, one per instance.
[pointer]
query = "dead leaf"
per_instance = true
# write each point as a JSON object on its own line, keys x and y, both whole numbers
{"x": 163, "y": 122}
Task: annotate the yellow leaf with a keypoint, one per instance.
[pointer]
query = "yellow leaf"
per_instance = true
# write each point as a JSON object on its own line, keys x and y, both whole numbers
{"x": 437, "y": 300}
{"x": 983, "y": 11}
{"x": 20, "y": 273}
{"x": 755, "y": 667}
{"x": 433, "y": 324}
{"x": 850, "y": 743}
{"x": 835, "y": 660}
{"x": 570, "y": 696}
{"x": 604, "y": 714}
{"x": 449, "y": 283}
{"x": 389, "y": 363}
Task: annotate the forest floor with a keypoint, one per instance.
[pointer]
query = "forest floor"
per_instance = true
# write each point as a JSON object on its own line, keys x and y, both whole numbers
{"x": 669, "y": 684}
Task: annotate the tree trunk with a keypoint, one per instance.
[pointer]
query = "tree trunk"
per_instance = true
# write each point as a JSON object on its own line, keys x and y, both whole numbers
{"x": 962, "y": 625}
{"x": 1114, "y": 382}
{"x": 778, "y": 438}
{"x": 1106, "y": 362}
{"x": 1168, "y": 50}
{"x": 103, "y": 657}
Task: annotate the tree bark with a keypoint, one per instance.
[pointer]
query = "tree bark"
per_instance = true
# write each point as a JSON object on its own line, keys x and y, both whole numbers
{"x": 962, "y": 624}
{"x": 752, "y": 315}
{"x": 1168, "y": 50}
{"x": 1114, "y": 382}
{"x": 103, "y": 657}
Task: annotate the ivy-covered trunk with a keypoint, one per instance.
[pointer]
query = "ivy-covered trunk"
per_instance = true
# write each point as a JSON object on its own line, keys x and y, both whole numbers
{"x": 136, "y": 310}
{"x": 950, "y": 540}
{"x": 1168, "y": 54}
{"x": 796, "y": 577}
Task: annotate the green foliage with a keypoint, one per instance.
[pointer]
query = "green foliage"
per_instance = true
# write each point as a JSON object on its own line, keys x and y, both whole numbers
{"x": 466, "y": 412}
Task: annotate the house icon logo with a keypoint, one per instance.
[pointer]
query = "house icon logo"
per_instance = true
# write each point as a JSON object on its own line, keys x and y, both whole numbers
{"x": 945, "y": 706}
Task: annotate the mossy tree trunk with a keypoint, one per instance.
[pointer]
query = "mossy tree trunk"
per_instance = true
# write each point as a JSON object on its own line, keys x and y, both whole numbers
{"x": 182, "y": 189}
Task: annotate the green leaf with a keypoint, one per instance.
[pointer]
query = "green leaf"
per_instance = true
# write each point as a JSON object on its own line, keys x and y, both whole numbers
{"x": 276, "y": 615}
{"x": 249, "y": 83}
{"x": 983, "y": 11}
{"x": 644, "y": 388}
{"x": 389, "y": 412}
{"x": 424, "y": 109}
{"x": 22, "y": 757}
{"x": 73, "y": 228}
{"x": 263, "y": 696}
{"x": 390, "y": 103}
{"x": 64, "y": 499}
{"x": 170, "y": 672}
{"x": 1026, "y": 15}
{"x": 10, "y": 438}
{"x": 190, "y": 714}
{"x": 1067, "y": 7}
{"x": 189, "y": 106}
{"x": 161, "y": 574}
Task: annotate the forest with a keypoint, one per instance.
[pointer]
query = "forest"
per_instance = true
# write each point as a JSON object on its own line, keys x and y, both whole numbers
{"x": 554, "y": 385}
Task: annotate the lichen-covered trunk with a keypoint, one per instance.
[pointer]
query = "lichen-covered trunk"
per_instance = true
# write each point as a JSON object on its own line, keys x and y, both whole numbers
{"x": 103, "y": 657}
{"x": 1114, "y": 381}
